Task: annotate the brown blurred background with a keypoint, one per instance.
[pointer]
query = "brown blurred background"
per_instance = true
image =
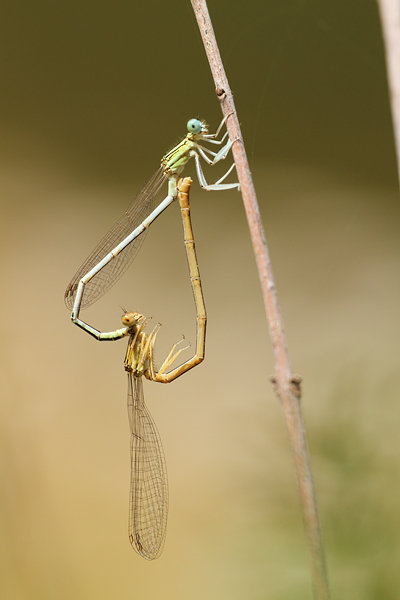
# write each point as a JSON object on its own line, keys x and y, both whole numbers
{"x": 93, "y": 94}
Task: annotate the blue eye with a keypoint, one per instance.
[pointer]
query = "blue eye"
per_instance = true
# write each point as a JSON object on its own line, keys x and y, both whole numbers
{"x": 194, "y": 126}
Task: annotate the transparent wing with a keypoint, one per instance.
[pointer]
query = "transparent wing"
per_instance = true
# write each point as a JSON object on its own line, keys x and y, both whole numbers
{"x": 139, "y": 209}
{"x": 148, "y": 509}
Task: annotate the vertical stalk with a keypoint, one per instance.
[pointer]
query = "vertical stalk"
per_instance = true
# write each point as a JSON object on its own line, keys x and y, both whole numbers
{"x": 390, "y": 18}
{"x": 286, "y": 385}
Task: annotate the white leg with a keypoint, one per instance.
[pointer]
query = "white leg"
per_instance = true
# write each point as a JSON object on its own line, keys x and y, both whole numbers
{"x": 207, "y": 150}
{"x": 204, "y": 155}
{"x": 226, "y": 174}
{"x": 212, "y": 141}
{"x": 199, "y": 170}
{"x": 214, "y": 135}
{"x": 215, "y": 186}
{"x": 222, "y": 154}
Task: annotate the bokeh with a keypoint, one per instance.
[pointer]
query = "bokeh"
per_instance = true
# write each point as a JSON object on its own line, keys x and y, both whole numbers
{"x": 93, "y": 94}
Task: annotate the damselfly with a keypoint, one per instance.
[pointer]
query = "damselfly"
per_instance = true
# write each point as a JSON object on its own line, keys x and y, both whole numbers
{"x": 113, "y": 254}
{"x": 149, "y": 485}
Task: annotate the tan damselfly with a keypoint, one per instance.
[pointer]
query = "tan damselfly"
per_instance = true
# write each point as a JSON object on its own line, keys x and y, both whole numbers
{"x": 149, "y": 485}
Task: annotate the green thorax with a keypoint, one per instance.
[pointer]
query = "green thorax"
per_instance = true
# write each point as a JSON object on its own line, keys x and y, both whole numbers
{"x": 175, "y": 160}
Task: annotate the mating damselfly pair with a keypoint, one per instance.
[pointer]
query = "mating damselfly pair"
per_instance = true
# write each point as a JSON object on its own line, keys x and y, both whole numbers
{"x": 103, "y": 267}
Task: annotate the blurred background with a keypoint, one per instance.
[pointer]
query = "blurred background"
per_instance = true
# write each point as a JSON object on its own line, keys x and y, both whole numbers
{"x": 93, "y": 94}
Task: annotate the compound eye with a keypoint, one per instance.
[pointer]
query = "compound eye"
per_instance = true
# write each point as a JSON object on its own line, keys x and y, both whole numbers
{"x": 194, "y": 126}
{"x": 129, "y": 319}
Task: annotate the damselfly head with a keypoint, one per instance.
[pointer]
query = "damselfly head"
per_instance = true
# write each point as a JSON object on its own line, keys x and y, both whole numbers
{"x": 195, "y": 126}
{"x": 129, "y": 319}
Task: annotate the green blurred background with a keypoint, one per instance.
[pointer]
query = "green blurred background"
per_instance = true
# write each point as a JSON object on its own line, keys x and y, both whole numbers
{"x": 93, "y": 94}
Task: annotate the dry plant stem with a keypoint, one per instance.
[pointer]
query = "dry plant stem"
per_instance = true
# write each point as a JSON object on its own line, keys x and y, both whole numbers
{"x": 286, "y": 385}
{"x": 390, "y": 18}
